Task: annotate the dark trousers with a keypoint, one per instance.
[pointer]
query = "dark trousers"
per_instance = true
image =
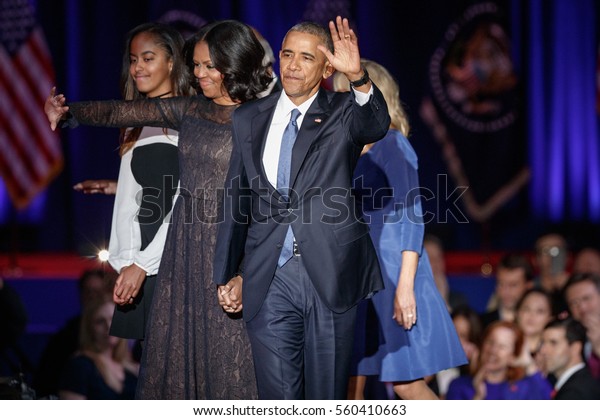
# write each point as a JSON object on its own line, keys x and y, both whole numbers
{"x": 301, "y": 349}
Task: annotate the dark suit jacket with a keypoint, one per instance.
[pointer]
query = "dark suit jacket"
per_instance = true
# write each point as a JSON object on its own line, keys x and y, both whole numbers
{"x": 580, "y": 386}
{"x": 335, "y": 245}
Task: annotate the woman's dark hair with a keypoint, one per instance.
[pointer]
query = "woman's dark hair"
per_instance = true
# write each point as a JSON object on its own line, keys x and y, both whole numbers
{"x": 237, "y": 54}
{"x": 171, "y": 42}
{"x": 538, "y": 291}
{"x": 473, "y": 319}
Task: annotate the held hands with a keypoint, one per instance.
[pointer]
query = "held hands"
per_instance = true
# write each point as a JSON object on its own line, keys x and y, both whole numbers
{"x": 97, "y": 186}
{"x": 346, "y": 57}
{"x": 230, "y": 295}
{"x": 128, "y": 284}
{"x": 55, "y": 108}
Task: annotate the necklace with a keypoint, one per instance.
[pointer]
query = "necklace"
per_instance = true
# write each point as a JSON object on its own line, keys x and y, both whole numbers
{"x": 160, "y": 96}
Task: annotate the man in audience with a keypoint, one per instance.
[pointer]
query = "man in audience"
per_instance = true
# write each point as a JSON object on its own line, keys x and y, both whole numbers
{"x": 435, "y": 250}
{"x": 514, "y": 276}
{"x": 551, "y": 259}
{"x": 582, "y": 293}
{"x": 587, "y": 260}
{"x": 561, "y": 353}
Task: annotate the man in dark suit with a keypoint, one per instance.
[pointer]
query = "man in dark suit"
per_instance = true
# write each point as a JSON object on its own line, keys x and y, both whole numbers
{"x": 582, "y": 294}
{"x": 562, "y": 354}
{"x": 307, "y": 256}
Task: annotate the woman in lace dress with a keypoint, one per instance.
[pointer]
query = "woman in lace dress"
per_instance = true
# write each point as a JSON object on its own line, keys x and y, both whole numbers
{"x": 193, "y": 350}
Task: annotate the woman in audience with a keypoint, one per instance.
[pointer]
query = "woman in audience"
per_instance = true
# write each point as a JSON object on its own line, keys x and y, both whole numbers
{"x": 102, "y": 369}
{"x": 503, "y": 370}
{"x": 534, "y": 311}
{"x": 468, "y": 327}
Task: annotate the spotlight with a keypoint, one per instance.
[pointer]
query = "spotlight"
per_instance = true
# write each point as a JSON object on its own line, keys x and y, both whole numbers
{"x": 103, "y": 255}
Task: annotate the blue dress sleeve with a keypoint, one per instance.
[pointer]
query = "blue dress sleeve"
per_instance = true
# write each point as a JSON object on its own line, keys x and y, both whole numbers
{"x": 400, "y": 165}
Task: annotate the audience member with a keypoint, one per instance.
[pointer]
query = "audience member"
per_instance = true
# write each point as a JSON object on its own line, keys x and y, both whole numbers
{"x": 587, "y": 260}
{"x": 13, "y": 321}
{"x": 582, "y": 293}
{"x": 468, "y": 327}
{"x": 534, "y": 311}
{"x": 561, "y": 351}
{"x": 102, "y": 368}
{"x": 513, "y": 277}
{"x": 62, "y": 345}
{"x": 435, "y": 249}
{"x": 502, "y": 373}
{"x": 551, "y": 257}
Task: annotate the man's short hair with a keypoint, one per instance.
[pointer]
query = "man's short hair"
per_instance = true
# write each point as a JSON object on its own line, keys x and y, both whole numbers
{"x": 580, "y": 278}
{"x": 314, "y": 28}
{"x": 513, "y": 261}
{"x": 574, "y": 330}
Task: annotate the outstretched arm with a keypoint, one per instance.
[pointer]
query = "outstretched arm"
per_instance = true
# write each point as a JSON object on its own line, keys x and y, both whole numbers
{"x": 55, "y": 108}
{"x": 97, "y": 186}
{"x": 166, "y": 113}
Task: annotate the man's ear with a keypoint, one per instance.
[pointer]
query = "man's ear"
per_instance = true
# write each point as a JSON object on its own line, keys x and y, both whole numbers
{"x": 576, "y": 349}
{"x": 328, "y": 71}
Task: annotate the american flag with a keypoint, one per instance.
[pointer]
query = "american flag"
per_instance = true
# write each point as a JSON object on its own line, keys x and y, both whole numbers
{"x": 30, "y": 153}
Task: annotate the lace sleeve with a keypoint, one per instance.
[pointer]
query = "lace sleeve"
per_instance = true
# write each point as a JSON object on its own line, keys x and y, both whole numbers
{"x": 139, "y": 113}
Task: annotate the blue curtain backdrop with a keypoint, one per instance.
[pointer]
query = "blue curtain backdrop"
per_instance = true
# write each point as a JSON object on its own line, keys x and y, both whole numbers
{"x": 554, "y": 48}
{"x": 564, "y": 149}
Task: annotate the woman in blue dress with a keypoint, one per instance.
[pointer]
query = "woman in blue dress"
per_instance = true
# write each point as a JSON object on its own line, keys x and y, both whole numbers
{"x": 416, "y": 335}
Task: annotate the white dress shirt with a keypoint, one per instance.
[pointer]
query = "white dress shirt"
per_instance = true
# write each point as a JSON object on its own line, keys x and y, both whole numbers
{"x": 125, "y": 235}
{"x": 281, "y": 118}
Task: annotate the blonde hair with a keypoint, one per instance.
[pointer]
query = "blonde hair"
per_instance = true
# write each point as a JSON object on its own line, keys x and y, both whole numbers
{"x": 389, "y": 88}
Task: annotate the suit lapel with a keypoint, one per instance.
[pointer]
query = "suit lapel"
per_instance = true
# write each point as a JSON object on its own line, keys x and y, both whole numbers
{"x": 315, "y": 117}
{"x": 260, "y": 129}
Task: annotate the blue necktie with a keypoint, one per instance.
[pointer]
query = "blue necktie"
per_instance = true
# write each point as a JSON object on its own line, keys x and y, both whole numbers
{"x": 283, "y": 179}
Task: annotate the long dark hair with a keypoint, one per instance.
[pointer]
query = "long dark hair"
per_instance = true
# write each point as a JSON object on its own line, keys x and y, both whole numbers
{"x": 237, "y": 54}
{"x": 171, "y": 42}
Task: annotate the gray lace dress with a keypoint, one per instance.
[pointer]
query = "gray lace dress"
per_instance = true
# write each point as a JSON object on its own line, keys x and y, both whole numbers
{"x": 193, "y": 349}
